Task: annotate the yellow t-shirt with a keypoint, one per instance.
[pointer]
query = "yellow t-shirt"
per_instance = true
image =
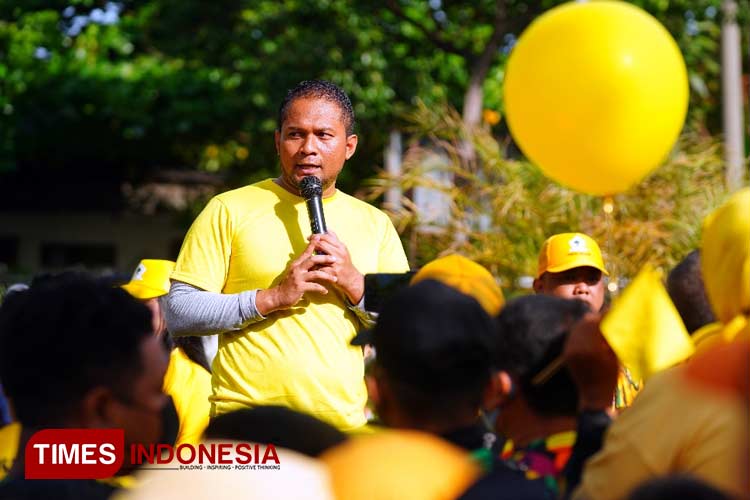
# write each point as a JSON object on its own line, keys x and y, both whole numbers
{"x": 189, "y": 384}
{"x": 300, "y": 357}
{"x": 9, "y": 436}
{"x": 674, "y": 426}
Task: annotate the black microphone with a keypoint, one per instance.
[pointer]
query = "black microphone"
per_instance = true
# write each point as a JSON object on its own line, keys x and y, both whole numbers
{"x": 312, "y": 192}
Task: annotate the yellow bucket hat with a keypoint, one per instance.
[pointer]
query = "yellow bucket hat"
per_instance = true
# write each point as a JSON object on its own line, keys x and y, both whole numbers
{"x": 567, "y": 251}
{"x": 150, "y": 279}
{"x": 467, "y": 277}
{"x": 725, "y": 259}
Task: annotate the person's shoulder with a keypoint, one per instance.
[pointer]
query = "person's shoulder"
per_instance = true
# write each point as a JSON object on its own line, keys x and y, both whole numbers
{"x": 361, "y": 207}
{"x": 252, "y": 194}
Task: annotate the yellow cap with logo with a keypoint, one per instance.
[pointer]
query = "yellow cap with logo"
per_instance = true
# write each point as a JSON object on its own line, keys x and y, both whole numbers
{"x": 467, "y": 277}
{"x": 567, "y": 251}
{"x": 150, "y": 279}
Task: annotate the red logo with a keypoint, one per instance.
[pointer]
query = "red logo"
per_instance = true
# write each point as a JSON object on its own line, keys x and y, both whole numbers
{"x": 75, "y": 453}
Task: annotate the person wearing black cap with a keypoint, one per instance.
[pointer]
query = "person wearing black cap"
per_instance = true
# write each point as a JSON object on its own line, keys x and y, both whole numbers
{"x": 433, "y": 372}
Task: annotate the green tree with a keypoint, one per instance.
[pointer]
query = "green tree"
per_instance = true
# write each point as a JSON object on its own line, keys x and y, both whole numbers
{"x": 136, "y": 86}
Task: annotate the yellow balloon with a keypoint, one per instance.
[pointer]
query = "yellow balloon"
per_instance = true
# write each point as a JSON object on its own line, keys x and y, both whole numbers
{"x": 596, "y": 94}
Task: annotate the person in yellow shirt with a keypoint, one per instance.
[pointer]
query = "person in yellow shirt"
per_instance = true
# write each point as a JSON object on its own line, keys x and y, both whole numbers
{"x": 284, "y": 302}
{"x": 571, "y": 267}
{"x": 188, "y": 376}
{"x": 683, "y": 422}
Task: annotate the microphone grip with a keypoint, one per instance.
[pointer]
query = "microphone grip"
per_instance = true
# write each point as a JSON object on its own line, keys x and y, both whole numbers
{"x": 315, "y": 212}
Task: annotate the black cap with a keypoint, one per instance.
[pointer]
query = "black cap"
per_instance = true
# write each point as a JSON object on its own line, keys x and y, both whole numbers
{"x": 428, "y": 330}
{"x": 279, "y": 426}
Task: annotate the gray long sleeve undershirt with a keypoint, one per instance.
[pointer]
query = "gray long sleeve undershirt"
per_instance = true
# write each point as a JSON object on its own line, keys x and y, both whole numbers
{"x": 192, "y": 311}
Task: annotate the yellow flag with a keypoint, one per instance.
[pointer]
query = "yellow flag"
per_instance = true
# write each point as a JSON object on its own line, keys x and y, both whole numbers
{"x": 644, "y": 328}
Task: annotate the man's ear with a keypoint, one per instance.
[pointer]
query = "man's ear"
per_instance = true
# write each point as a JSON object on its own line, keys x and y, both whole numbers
{"x": 351, "y": 145}
{"x": 373, "y": 389}
{"x": 499, "y": 392}
{"x": 96, "y": 408}
{"x": 276, "y": 141}
{"x": 538, "y": 285}
{"x": 492, "y": 393}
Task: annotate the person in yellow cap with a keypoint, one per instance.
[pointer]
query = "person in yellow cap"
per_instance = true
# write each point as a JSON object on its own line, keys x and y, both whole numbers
{"x": 682, "y": 423}
{"x": 571, "y": 267}
{"x": 467, "y": 277}
{"x": 188, "y": 376}
{"x": 150, "y": 281}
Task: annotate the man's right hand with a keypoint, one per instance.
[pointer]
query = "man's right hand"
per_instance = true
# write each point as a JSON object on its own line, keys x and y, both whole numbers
{"x": 303, "y": 276}
{"x": 592, "y": 364}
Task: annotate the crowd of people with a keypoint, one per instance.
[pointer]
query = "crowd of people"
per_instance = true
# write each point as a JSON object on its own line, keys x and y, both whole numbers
{"x": 468, "y": 396}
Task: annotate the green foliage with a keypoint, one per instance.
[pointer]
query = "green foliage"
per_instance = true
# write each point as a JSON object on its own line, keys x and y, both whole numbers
{"x": 196, "y": 84}
{"x": 501, "y": 210}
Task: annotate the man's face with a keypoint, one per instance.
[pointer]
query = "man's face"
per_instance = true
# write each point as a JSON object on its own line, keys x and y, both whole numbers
{"x": 313, "y": 141}
{"x": 141, "y": 414}
{"x": 582, "y": 283}
{"x": 157, "y": 318}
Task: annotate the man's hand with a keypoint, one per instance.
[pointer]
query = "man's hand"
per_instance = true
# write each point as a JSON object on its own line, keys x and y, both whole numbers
{"x": 303, "y": 276}
{"x": 348, "y": 278}
{"x": 592, "y": 364}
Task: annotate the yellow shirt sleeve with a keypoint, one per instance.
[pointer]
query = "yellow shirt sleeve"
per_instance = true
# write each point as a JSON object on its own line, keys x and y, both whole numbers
{"x": 392, "y": 256}
{"x": 204, "y": 257}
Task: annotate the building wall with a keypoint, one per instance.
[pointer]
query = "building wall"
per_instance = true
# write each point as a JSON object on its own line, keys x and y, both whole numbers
{"x": 110, "y": 242}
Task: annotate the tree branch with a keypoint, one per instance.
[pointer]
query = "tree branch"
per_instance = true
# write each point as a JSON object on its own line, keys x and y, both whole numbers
{"x": 433, "y": 36}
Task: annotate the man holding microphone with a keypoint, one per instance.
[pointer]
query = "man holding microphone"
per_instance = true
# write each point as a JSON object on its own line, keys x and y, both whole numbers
{"x": 285, "y": 302}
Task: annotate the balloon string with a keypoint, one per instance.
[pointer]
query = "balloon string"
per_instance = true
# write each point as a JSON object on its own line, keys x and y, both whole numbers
{"x": 608, "y": 206}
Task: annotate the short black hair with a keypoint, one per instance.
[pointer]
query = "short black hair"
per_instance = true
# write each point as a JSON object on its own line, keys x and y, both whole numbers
{"x": 278, "y": 426}
{"x": 434, "y": 348}
{"x": 685, "y": 288}
{"x": 63, "y": 337}
{"x": 680, "y": 486}
{"x": 530, "y": 333}
{"x": 319, "y": 89}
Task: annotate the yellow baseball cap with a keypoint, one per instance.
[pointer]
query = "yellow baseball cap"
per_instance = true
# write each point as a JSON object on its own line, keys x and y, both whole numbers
{"x": 150, "y": 279}
{"x": 567, "y": 251}
{"x": 467, "y": 277}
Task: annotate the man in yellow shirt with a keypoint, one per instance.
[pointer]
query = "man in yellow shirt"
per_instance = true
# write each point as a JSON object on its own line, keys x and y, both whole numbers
{"x": 287, "y": 303}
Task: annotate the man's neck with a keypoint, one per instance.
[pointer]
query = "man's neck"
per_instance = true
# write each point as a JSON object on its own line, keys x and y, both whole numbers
{"x": 523, "y": 426}
{"x": 433, "y": 427}
{"x": 280, "y": 181}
